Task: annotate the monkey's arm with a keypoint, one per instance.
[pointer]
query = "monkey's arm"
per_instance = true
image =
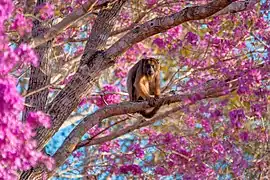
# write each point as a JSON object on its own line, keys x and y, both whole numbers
{"x": 130, "y": 81}
{"x": 157, "y": 85}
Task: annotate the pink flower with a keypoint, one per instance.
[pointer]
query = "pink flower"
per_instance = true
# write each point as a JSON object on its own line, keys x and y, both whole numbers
{"x": 219, "y": 149}
{"x": 110, "y": 98}
{"x": 46, "y": 11}
{"x": 137, "y": 150}
{"x": 38, "y": 118}
{"x": 21, "y": 24}
{"x": 161, "y": 171}
{"x": 159, "y": 42}
{"x": 27, "y": 54}
{"x": 206, "y": 125}
{"x": 244, "y": 136}
{"x": 133, "y": 169}
{"x": 192, "y": 38}
{"x": 150, "y": 3}
{"x": 237, "y": 116}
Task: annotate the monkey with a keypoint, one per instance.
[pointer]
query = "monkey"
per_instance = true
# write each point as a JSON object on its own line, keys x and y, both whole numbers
{"x": 143, "y": 82}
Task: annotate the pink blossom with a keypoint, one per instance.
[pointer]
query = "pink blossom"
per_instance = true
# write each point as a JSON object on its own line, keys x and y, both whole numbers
{"x": 107, "y": 98}
{"x": 38, "y": 118}
{"x": 206, "y": 125}
{"x": 161, "y": 171}
{"x": 151, "y": 2}
{"x": 133, "y": 169}
{"x": 137, "y": 150}
{"x": 21, "y": 24}
{"x": 244, "y": 136}
{"x": 159, "y": 42}
{"x": 26, "y": 54}
{"x": 46, "y": 11}
{"x": 192, "y": 38}
{"x": 237, "y": 116}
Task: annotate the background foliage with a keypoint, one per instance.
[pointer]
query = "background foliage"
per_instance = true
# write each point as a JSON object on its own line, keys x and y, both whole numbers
{"x": 224, "y": 137}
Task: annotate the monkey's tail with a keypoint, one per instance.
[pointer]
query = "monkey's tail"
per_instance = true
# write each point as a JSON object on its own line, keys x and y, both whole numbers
{"x": 150, "y": 114}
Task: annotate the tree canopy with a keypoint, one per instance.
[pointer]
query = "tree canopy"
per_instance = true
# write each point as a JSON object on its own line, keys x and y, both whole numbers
{"x": 65, "y": 111}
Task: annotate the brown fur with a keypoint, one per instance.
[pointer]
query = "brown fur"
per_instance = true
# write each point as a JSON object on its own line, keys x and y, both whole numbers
{"x": 143, "y": 82}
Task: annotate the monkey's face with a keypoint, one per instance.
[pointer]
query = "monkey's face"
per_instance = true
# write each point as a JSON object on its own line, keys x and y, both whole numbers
{"x": 150, "y": 66}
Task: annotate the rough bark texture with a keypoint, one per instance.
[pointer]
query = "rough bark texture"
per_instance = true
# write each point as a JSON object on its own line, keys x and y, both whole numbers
{"x": 162, "y": 24}
{"x": 39, "y": 76}
{"x": 237, "y": 6}
{"x": 136, "y": 35}
{"x": 77, "y": 14}
{"x": 29, "y": 6}
{"x": 67, "y": 100}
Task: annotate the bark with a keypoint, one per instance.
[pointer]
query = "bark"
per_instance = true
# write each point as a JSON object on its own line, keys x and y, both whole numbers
{"x": 139, "y": 124}
{"x": 238, "y": 6}
{"x": 162, "y": 24}
{"x": 76, "y": 15}
{"x": 29, "y": 6}
{"x": 72, "y": 142}
{"x": 39, "y": 76}
{"x": 67, "y": 100}
{"x": 212, "y": 89}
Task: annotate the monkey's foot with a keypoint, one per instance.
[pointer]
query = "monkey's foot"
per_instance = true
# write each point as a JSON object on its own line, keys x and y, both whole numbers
{"x": 151, "y": 101}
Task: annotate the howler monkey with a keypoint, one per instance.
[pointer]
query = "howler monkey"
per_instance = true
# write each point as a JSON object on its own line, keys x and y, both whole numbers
{"x": 144, "y": 81}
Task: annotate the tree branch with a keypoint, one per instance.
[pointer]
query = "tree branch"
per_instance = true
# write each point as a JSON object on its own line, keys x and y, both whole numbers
{"x": 237, "y": 6}
{"x": 77, "y": 14}
{"x": 212, "y": 89}
{"x": 72, "y": 141}
{"x": 139, "y": 124}
{"x": 162, "y": 24}
{"x": 64, "y": 102}
{"x": 68, "y": 99}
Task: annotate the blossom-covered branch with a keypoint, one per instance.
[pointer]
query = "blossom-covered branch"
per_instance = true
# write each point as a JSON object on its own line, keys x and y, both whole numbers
{"x": 162, "y": 24}
{"x": 237, "y": 6}
{"x": 71, "y": 142}
{"x": 77, "y": 14}
{"x": 64, "y": 103}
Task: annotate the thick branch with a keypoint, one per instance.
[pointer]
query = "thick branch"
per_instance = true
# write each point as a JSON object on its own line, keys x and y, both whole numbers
{"x": 67, "y": 100}
{"x": 162, "y": 24}
{"x": 39, "y": 76}
{"x": 29, "y": 6}
{"x": 237, "y": 6}
{"x": 72, "y": 141}
{"x": 139, "y": 124}
{"x": 77, "y": 14}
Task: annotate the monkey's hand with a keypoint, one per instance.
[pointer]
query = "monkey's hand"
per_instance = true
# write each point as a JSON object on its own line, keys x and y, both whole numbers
{"x": 152, "y": 100}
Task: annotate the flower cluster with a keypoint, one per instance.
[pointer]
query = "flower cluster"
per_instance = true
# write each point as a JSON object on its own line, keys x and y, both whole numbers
{"x": 46, "y": 11}
{"x": 18, "y": 148}
{"x": 108, "y": 96}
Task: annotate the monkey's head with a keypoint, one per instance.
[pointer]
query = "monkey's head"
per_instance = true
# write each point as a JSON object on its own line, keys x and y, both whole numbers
{"x": 150, "y": 66}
